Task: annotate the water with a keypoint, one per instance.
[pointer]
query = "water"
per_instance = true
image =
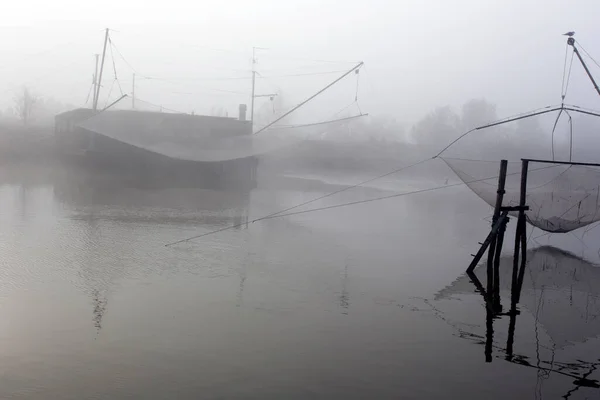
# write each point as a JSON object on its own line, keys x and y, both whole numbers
{"x": 362, "y": 302}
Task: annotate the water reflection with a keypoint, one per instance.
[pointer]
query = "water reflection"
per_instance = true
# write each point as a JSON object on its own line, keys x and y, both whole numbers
{"x": 110, "y": 197}
{"x": 561, "y": 291}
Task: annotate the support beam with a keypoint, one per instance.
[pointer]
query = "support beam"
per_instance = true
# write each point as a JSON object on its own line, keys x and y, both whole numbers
{"x": 491, "y": 281}
{"x": 520, "y": 234}
{"x": 484, "y": 246}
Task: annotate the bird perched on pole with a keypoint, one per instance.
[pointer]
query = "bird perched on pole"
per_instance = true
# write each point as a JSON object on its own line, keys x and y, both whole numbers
{"x": 569, "y": 34}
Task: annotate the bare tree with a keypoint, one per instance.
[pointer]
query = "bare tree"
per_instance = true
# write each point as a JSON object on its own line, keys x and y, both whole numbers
{"x": 25, "y": 102}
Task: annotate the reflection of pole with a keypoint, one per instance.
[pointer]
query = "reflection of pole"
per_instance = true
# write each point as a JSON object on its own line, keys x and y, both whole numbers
{"x": 520, "y": 239}
{"x": 489, "y": 333}
{"x": 493, "y": 275}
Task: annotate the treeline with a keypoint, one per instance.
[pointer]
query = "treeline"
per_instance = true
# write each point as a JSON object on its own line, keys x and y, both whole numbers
{"x": 377, "y": 144}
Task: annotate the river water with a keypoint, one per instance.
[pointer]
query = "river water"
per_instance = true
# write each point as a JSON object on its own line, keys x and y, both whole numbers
{"x": 367, "y": 301}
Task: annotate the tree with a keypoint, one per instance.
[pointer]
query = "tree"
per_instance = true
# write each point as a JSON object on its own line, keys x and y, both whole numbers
{"x": 25, "y": 103}
{"x": 438, "y": 127}
{"x": 477, "y": 112}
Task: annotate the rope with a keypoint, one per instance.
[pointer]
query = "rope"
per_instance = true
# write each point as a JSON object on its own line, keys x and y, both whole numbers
{"x": 588, "y": 54}
{"x": 357, "y": 81}
{"x": 284, "y": 213}
{"x": 554, "y": 129}
{"x": 569, "y": 75}
{"x": 306, "y": 202}
{"x": 562, "y": 87}
{"x": 109, "y": 93}
{"x": 87, "y": 99}
{"x": 320, "y": 123}
{"x": 517, "y": 117}
{"x": 454, "y": 141}
{"x": 112, "y": 57}
{"x": 570, "y": 135}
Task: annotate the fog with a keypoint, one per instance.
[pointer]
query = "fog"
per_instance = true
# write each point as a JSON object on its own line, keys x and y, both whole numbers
{"x": 418, "y": 55}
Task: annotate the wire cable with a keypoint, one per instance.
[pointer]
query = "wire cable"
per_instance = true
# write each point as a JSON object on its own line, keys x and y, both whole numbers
{"x": 307, "y": 202}
{"x": 562, "y": 86}
{"x": 87, "y": 99}
{"x": 284, "y": 213}
{"x": 568, "y": 76}
{"x": 588, "y": 54}
{"x": 554, "y": 129}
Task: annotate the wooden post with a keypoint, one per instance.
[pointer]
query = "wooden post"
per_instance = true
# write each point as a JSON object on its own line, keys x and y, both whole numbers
{"x": 487, "y": 241}
{"x": 491, "y": 275}
{"x": 521, "y": 223}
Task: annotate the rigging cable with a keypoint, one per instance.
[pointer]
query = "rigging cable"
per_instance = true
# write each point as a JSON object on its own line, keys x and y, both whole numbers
{"x": 272, "y": 215}
{"x": 588, "y": 54}
{"x": 562, "y": 86}
{"x": 284, "y": 213}
{"x": 568, "y": 76}
{"x": 112, "y": 56}
{"x": 554, "y": 129}
{"x": 123, "y": 58}
{"x": 570, "y": 135}
{"x": 109, "y": 93}
{"x": 87, "y": 99}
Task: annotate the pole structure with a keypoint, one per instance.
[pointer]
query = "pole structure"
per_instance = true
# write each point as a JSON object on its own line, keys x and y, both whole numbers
{"x": 571, "y": 42}
{"x": 521, "y": 224}
{"x": 357, "y": 66}
{"x": 101, "y": 70}
{"x": 253, "y": 87}
{"x": 133, "y": 93}
{"x": 95, "y": 79}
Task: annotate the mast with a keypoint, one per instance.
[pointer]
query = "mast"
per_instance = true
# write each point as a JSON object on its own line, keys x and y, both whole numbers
{"x": 253, "y": 86}
{"x": 133, "y": 93}
{"x": 95, "y": 79}
{"x": 99, "y": 83}
{"x": 571, "y": 42}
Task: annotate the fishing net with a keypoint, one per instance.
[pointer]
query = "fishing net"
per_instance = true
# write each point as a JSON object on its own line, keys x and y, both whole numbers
{"x": 561, "y": 197}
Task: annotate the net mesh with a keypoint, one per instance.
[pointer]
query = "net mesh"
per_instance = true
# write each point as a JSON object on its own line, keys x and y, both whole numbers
{"x": 561, "y": 197}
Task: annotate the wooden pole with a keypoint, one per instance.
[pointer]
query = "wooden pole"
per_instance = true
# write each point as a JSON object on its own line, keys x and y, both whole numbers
{"x": 357, "y": 66}
{"x": 521, "y": 223}
{"x": 101, "y": 70}
{"x": 497, "y": 255}
{"x": 491, "y": 276}
{"x": 95, "y": 80}
{"x": 487, "y": 241}
{"x": 253, "y": 88}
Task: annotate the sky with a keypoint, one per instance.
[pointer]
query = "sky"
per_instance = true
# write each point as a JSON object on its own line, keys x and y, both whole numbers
{"x": 196, "y": 56}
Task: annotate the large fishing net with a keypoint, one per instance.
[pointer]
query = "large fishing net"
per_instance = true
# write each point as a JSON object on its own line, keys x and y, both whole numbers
{"x": 561, "y": 197}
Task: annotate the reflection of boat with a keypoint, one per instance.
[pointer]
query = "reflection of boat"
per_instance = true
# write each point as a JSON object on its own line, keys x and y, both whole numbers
{"x": 105, "y": 197}
{"x": 568, "y": 284}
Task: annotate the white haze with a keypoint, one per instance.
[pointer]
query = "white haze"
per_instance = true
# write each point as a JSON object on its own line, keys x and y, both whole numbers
{"x": 418, "y": 54}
